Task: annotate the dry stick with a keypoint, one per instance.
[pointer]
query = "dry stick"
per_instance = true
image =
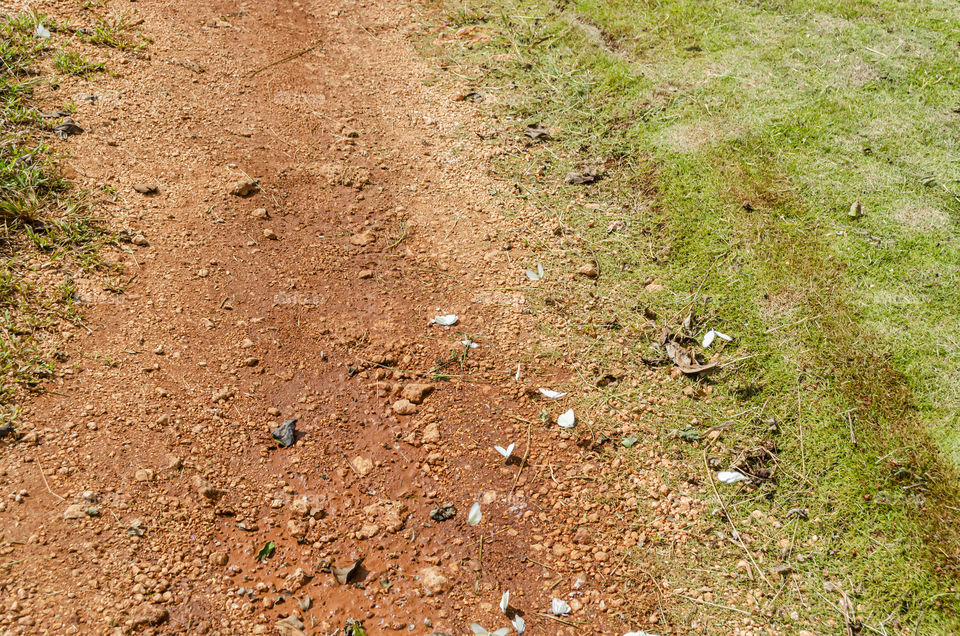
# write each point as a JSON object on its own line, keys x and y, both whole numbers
{"x": 523, "y": 461}
{"x": 792, "y": 324}
{"x": 606, "y": 577}
{"x": 736, "y": 533}
{"x": 476, "y": 582}
{"x": 350, "y": 463}
{"x": 559, "y": 620}
{"x": 803, "y": 454}
{"x": 726, "y": 607}
{"x": 735, "y": 360}
{"x": 46, "y": 484}
{"x": 656, "y": 586}
{"x": 544, "y": 565}
{"x": 286, "y": 59}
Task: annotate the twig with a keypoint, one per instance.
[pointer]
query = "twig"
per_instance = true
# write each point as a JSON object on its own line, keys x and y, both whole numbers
{"x": 80, "y": 322}
{"x": 403, "y": 235}
{"x": 803, "y": 453}
{"x": 367, "y": 31}
{"x": 286, "y": 59}
{"x": 740, "y": 359}
{"x": 46, "y": 484}
{"x": 492, "y": 535}
{"x": 350, "y": 463}
{"x": 792, "y": 324}
{"x": 559, "y": 620}
{"x": 853, "y": 435}
{"x": 656, "y": 586}
{"x": 544, "y": 565}
{"x": 619, "y": 563}
{"x": 476, "y": 582}
{"x": 736, "y": 533}
{"x": 726, "y": 607}
{"x": 523, "y": 461}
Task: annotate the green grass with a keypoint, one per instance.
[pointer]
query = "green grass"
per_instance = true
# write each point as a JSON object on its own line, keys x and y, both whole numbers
{"x": 734, "y": 138}
{"x": 45, "y": 223}
{"x": 73, "y": 63}
{"x": 114, "y": 31}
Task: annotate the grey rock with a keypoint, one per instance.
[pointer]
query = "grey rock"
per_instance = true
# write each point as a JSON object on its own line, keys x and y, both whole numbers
{"x": 286, "y": 433}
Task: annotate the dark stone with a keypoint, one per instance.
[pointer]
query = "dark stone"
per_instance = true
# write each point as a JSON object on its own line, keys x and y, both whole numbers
{"x": 286, "y": 433}
{"x": 444, "y": 512}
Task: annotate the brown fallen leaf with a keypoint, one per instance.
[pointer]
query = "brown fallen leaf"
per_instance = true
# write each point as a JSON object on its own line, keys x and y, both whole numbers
{"x": 343, "y": 574}
{"x": 146, "y": 188}
{"x": 582, "y": 178}
{"x": 536, "y": 131}
{"x": 685, "y": 359}
{"x": 66, "y": 128}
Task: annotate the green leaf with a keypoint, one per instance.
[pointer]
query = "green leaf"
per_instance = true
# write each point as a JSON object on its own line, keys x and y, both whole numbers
{"x": 628, "y": 441}
{"x": 355, "y": 628}
{"x": 689, "y": 434}
{"x": 266, "y": 551}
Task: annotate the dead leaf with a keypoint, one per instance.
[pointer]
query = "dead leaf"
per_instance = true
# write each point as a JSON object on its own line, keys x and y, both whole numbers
{"x": 537, "y": 132}
{"x": 146, "y": 188}
{"x": 344, "y": 574}
{"x": 582, "y": 178}
{"x": 192, "y": 66}
{"x": 66, "y": 128}
{"x": 471, "y": 96}
{"x": 686, "y": 360}
{"x": 590, "y": 443}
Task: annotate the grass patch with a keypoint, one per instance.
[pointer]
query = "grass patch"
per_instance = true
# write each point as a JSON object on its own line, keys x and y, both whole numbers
{"x": 732, "y": 139}
{"x": 73, "y": 63}
{"x": 46, "y": 231}
{"x": 114, "y": 31}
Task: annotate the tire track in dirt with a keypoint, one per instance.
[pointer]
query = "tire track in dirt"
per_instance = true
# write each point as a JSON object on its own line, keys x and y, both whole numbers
{"x": 311, "y": 298}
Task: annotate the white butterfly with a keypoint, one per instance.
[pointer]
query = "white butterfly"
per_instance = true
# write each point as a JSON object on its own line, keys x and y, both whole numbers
{"x": 519, "y": 624}
{"x": 469, "y": 344}
{"x": 506, "y": 452}
{"x": 475, "y": 515}
{"x": 480, "y": 631}
{"x": 505, "y": 601}
{"x": 731, "y": 476}
{"x": 553, "y": 395}
{"x": 42, "y": 32}
{"x": 446, "y": 321}
{"x": 713, "y": 335}
{"x": 535, "y": 275}
{"x": 559, "y": 607}
{"x": 566, "y": 420}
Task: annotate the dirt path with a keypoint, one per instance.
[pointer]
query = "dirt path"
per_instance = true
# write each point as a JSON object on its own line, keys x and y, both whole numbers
{"x": 311, "y": 298}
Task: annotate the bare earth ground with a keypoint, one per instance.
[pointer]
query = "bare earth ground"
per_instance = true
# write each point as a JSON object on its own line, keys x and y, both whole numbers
{"x": 378, "y": 217}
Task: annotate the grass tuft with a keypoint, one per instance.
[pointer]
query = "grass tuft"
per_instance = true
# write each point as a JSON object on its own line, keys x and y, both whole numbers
{"x": 73, "y": 63}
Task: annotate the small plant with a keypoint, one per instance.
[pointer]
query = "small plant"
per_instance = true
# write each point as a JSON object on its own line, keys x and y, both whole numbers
{"x": 73, "y": 63}
{"x": 112, "y": 32}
